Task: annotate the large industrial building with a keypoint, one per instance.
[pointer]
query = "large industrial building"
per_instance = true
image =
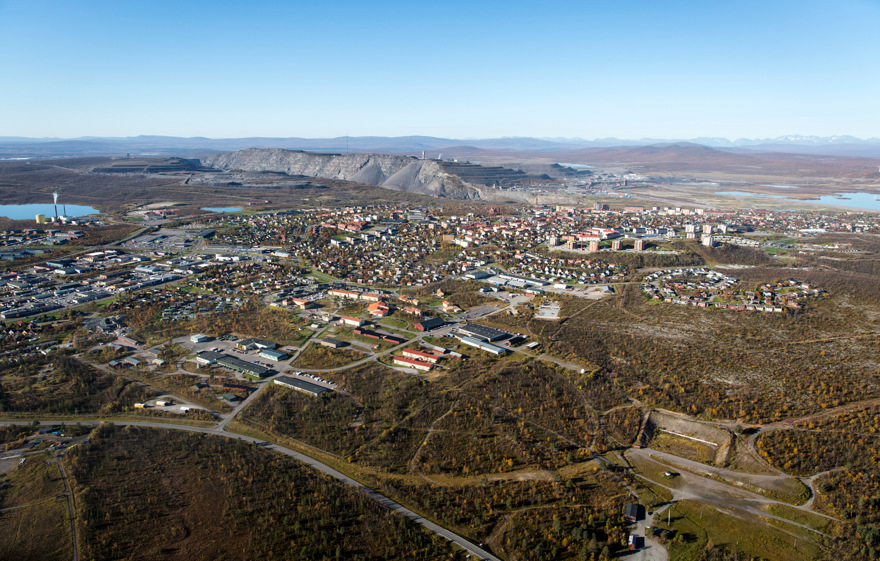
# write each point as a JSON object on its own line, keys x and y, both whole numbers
{"x": 482, "y": 345}
{"x": 482, "y": 333}
{"x": 243, "y": 366}
{"x": 301, "y": 385}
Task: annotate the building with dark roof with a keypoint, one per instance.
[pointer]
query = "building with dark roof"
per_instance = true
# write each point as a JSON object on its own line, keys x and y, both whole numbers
{"x": 482, "y": 332}
{"x": 243, "y": 366}
{"x": 331, "y": 342}
{"x": 633, "y": 512}
{"x": 301, "y": 385}
{"x": 251, "y": 344}
{"x": 209, "y": 357}
{"x": 429, "y": 324}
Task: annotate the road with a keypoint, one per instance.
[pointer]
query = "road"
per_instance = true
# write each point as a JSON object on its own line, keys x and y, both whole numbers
{"x": 720, "y": 496}
{"x": 652, "y": 551}
{"x": 221, "y": 426}
{"x": 476, "y": 551}
{"x": 71, "y": 510}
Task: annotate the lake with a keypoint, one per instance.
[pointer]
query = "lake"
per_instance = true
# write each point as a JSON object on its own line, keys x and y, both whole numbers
{"x": 865, "y": 201}
{"x": 224, "y": 209}
{"x": 29, "y": 212}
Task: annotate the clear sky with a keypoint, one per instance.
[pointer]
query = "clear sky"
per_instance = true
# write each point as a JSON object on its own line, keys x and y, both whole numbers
{"x": 459, "y": 69}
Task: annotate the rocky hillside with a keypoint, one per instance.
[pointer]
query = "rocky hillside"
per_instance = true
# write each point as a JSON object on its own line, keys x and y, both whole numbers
{"x": 401, "y": 173}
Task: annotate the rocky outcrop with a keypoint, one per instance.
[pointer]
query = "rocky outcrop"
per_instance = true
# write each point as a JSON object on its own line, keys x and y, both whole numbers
{"x": 401, "y": 173}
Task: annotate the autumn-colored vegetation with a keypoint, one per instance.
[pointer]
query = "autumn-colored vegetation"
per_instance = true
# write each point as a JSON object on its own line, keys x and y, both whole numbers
{"x": 156, "y": 494}
{"x": 802, "y": 452}
{"x": 318, "y": 357}
{"x": 33, "y": 523}
{"x": 65, "y": 386}
{"x": 532, "y": 520}
{"x": 852, "y": 495}
{"x": 719, "y": 364}
{"x": 461, "y": 293}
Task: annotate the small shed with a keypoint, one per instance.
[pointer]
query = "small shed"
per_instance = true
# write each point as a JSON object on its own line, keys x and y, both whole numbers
{"x": 633, "y": 512}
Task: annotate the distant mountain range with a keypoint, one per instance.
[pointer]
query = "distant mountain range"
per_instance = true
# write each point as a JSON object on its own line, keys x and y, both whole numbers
{"x": 13, "y": 147}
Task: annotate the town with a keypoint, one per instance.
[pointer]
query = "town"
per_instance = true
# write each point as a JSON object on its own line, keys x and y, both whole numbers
{"x": 226, "y": 321}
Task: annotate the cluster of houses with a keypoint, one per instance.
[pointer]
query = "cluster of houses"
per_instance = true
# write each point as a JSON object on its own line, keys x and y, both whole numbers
{"x": 706, "y": 288}
{"x": 31, "y": 236}
{"x": 30, "y": 293}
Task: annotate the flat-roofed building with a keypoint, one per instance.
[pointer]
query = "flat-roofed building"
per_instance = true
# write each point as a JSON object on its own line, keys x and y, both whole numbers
{"x": 272, "y": 354}
{"x": 477, "y": 275}
{"x": 301, "y": 385}
{"x": 482, "y": 332}
{"x": 482, "y": 345}
{"x": 251, "y": 344}
{"x": 208, "y": 357}
{"x": 243, "y": 366}
{"x": 331, "y": 342}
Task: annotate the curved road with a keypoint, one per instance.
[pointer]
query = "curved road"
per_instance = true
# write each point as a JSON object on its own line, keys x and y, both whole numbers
{"x": 470, "y": 547}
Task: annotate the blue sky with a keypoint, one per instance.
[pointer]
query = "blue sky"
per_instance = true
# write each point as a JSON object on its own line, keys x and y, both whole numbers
{"x": 456, "y": 69}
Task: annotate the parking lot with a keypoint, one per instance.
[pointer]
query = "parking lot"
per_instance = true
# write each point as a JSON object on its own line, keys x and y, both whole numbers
{"x": 227, "y": 345}
{"x": 548, "y": 311}
{"x": 171, "y": 404}
{"x": 477, "y": 313}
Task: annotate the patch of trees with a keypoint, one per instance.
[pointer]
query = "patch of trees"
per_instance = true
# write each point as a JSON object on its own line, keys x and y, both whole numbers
{"x": 381, "y": 426}
{"x": 482, "y": 417}
{"x": 181, "y": 385}
{"x": 852, "y": 495}
{"x": 536, "y": 392}
{"x": 151, "y": 493}
{"x": 64, "y": 385}
{"x": 804, "y": 453}
{"x": 528, "y": 517}
{"x": 463, "y": 293}
{"x": 724, "y": 553}
{"x": 319, "y": 357}
{"x": 473, "y": 438}
{"x": 12, "y": 436}
{"x": 623, "y": 424}
{"x": 632, "y": 261}
{"x": 716, "y": 363}
{"x": 728, "y": 253}
{"x": 862, "y": 420}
